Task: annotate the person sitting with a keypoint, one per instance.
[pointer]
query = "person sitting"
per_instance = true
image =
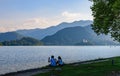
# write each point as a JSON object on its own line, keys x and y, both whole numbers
{"x": 60, "y": 62}
{"x": 49, "y": 59}
{"x": 52, "y": 61}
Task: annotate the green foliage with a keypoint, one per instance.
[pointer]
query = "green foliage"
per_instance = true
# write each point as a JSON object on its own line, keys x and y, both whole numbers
{"x": 106, "y": 17}
{"x": 0, "y": 44}
{"x": 27, "y": 41}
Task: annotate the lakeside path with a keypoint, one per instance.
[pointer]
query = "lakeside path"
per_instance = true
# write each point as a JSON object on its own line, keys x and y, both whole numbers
{"x": 30, "y": 72}
{"x": 47, "y": 70}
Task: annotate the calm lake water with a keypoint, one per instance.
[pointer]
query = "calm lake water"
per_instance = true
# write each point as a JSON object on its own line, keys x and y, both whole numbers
{"x": 16, "y": 58}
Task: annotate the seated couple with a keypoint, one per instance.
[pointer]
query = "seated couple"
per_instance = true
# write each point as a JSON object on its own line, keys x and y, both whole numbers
{"x": 55, "y": 62}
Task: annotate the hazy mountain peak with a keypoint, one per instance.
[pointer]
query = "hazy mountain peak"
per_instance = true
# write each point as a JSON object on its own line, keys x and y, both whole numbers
{"x": 41, "y": 33}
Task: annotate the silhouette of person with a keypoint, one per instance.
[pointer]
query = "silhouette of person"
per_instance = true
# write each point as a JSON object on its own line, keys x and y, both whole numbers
{"x": 60, "y": 62}
{"x": 49, "y": 59}
{"x": 52, "y": 61}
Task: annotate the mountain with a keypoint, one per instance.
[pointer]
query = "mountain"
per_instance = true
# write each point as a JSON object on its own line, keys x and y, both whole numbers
{"x": 41, "y": 33}
{"x": 77, "y": 36}
{"x": 26, "y": 41}
{"x": 10, "y": 36}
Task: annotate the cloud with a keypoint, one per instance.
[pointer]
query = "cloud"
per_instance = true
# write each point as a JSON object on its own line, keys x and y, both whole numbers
{"x": 41, "y": 22}
{"x": 29, "y": 24}
{"x": 68, "y": 16}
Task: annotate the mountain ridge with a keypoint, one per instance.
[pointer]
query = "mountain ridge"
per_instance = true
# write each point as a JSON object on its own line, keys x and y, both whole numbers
{"x": 41, "y": 33}
{"x": 10, "y": 36}
{"x": 77, "y": 35}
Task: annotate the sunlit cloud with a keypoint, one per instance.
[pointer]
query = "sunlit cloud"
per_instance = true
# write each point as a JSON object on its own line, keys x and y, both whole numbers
{"x": 68, "y": 16}
{"x": 30, "y": 24}
{"x": 33, "y": 23}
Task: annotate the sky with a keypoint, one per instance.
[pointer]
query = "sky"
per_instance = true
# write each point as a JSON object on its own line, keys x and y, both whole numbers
{"x": 30, "y": 14}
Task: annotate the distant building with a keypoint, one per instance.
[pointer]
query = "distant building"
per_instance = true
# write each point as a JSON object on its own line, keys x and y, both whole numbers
{"x": 85, "y": 41}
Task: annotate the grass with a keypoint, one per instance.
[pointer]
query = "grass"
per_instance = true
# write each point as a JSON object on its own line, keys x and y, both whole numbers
{"x": 104, "y": 68}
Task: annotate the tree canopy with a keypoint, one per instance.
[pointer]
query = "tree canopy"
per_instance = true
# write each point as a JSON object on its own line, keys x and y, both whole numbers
{"x": 26, "y": 41}
{"x": 106, "y": 15}
{"x": 0, "y": 44}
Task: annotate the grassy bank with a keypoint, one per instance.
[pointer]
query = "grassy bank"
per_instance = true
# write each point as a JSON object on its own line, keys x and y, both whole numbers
{"x": 103, "y": 68}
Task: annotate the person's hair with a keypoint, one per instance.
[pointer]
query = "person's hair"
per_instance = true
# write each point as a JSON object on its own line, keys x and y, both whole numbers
{"x": 59, "y": 57}
{"x": 52, "y": 56}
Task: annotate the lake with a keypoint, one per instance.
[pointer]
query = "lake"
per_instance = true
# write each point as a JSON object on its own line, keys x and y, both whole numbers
{"x": 17, "y": 58}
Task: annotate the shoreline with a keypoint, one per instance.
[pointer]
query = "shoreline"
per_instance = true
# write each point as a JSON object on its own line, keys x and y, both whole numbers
{"x": 27, "y": 72}
{"x": 30, "y": 72}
